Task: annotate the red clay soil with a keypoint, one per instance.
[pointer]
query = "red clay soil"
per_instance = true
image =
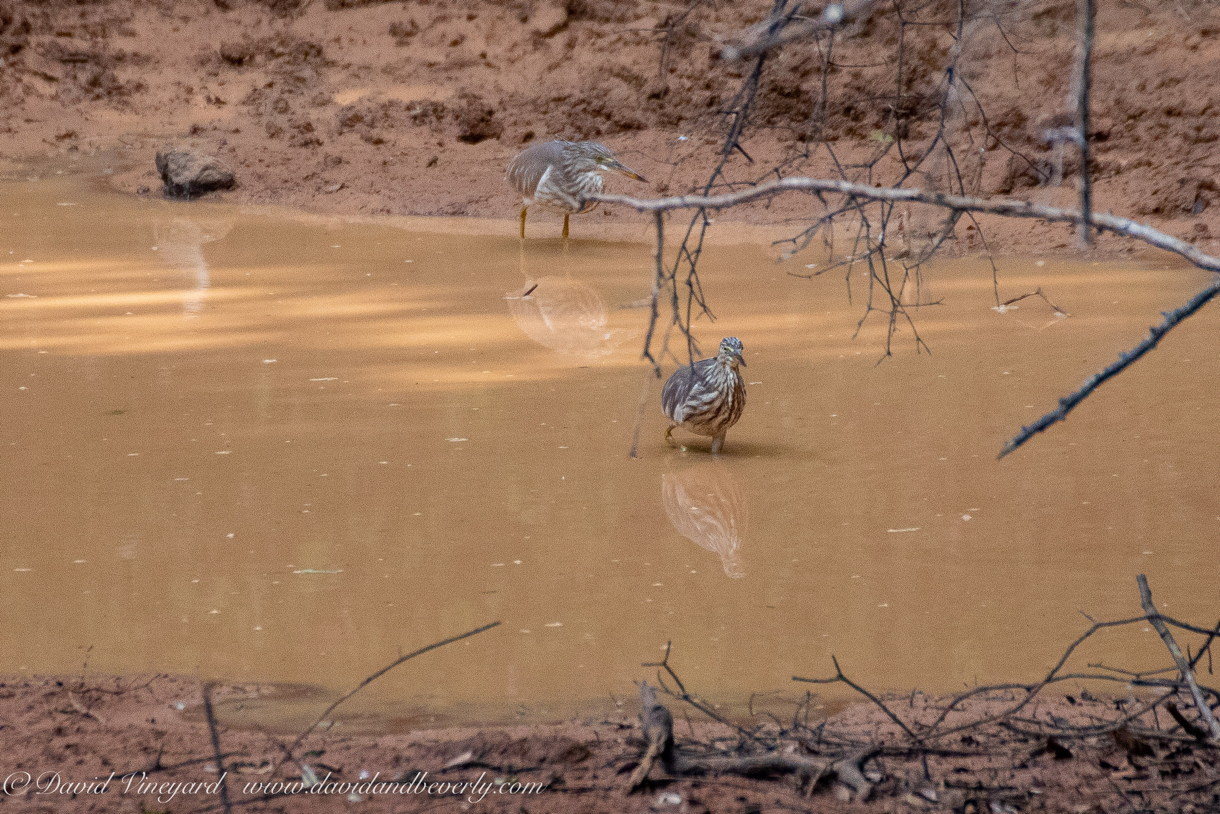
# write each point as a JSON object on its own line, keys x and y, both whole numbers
{"x": 416, "y": 107}
{"x": 358, "y": 107}
{"x": 142, "y": 745}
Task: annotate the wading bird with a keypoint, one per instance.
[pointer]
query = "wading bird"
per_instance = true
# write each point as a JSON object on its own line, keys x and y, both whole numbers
{"x": 707, "y": 397}
{"x": 560, "y": 175}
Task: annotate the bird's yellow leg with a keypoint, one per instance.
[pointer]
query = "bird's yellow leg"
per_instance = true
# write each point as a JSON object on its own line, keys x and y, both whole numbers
{"x": 565, "y": 227}
{"x": 523, "y": 223}
{"x": 669, "y": 439}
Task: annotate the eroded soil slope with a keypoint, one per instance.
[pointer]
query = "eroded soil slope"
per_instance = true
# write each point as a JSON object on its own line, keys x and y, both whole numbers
{"x": 415, "y": 107}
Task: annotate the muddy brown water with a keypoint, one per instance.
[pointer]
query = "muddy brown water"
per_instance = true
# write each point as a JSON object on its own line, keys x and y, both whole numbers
{"x": 280, "y": 449}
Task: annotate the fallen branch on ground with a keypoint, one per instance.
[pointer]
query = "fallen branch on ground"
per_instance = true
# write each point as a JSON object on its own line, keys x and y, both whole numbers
{"x": 1005, "y": 725}
{"x": 658, "y": 726}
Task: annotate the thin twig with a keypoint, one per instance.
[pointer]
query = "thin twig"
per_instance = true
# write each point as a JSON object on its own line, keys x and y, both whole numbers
{"x": 840, "y": 678}
{"x": 292, "y": 747}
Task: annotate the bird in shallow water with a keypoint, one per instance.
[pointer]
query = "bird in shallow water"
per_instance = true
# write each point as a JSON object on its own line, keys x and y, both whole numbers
{"x": 707, "y": 397}
{"x": 560, "y": 175}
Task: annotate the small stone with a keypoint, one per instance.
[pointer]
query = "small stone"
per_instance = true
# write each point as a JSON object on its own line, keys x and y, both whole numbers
{"x": 188, "y": 173}
{"x": 238, "y": 53}
{"x": 477, "y": 120}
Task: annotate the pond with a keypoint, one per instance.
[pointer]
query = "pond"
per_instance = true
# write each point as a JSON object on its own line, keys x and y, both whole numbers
{"x": 268, "y": 447}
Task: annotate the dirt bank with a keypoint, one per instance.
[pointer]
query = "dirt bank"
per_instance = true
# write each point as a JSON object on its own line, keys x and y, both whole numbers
{"x": 142, "y": 744}
{"x": 361, "y": 107}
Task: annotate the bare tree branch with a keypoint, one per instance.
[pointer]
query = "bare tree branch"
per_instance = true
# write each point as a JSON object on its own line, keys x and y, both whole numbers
{"x": 766, "y": 36}
{"x": 840, "y": 677}
{"x": 1007, "y": 207}
{"x": 1067, "y": 403}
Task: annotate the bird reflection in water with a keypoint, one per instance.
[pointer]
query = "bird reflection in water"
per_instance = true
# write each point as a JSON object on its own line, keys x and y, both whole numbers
{"x": 179, "y": 244}
{"x": 565, "y": 315}
{"x": 706, "y": 504}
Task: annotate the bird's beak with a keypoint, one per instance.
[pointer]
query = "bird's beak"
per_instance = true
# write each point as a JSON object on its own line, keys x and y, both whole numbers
{"x": 741, "y": 361}
{"x": 620, "y": 167}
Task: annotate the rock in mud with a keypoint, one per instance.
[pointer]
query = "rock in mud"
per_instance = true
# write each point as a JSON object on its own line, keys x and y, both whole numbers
{"x": 477, "y": 120}
{"x": 189, "y": 173}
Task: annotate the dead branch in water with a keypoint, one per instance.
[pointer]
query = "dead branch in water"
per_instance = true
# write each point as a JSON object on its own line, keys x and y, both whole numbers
{"x": 289, "y": 751}
{"x": 682, "y": 695}
{"x": 1038, "y": 292}
{"x": 370, "y": 679}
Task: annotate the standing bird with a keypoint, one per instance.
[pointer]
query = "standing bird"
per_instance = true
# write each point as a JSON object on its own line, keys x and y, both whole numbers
{"x": 707, "y": 398}
{"x": 560, "y": 175}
